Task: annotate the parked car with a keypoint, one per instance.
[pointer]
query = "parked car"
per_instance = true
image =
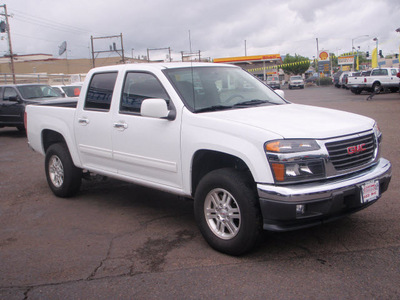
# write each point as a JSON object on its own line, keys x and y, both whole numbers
{"x": 378, "y": 80}
{"x": 346, "y": 78}
{"x": 296, "y": 81}
{"x": 273, "y": 82}
{"x": 336, "y": 77}
{"x": 250, "y": 159}
{"x": 69, "y": 90}
{"x": 354, "y": 82}
{"x": 14, "y": 98}
{"x": 312, "y": 79}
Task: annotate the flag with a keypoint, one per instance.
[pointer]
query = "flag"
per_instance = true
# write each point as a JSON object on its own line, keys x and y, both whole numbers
{"x": 357, "y": 64}
{"x": 374, "y": 62}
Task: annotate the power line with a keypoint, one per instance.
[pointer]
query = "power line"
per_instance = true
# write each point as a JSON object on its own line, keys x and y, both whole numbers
{"x": 27, "y": 18}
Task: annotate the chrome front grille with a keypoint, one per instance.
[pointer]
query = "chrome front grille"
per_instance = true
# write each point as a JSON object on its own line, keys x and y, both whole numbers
{"x": 351, "y": 153}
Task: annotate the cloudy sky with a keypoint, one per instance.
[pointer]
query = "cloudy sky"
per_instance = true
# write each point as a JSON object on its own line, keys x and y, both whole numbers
{"x": 218, "y": 28}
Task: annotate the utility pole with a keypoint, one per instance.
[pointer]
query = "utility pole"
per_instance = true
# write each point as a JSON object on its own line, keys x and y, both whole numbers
{"x": 9, "y": 42}
{"x": 112, "y": 48}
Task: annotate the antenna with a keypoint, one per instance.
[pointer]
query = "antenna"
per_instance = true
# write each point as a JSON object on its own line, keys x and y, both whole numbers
{"x": 190, "y": 43}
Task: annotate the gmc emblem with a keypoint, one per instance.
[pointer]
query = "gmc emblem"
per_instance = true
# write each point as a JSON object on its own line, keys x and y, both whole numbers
{"x": 355, "y": 149}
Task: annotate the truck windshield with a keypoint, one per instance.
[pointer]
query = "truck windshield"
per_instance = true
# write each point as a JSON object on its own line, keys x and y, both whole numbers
{"x": 218, "y": 88}
{"x": 37, "y": 91}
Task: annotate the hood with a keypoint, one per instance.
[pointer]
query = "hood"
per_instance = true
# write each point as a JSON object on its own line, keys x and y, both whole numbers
{"x": 299, "y": 121}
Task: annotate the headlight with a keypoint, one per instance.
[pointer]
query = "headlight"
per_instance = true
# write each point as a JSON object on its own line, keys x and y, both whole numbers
{"x": 377, "y": 132}
{"x": 291, "y": 146}
{"x": 288, "y": 166}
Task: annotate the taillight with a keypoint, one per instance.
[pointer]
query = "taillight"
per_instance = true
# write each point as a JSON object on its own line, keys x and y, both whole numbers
{"x": 365, "y": 79}
{"x": 25, "y": 121}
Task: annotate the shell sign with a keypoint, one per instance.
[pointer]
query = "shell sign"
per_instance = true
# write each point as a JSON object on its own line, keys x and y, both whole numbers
{"x": 324, "y": 55}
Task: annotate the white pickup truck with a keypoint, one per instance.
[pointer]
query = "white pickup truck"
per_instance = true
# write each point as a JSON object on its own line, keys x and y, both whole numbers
{"x": 211, "y": 132}
{"x": 378, "y": 79}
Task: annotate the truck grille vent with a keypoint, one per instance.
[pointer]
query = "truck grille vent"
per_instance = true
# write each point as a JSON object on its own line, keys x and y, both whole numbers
{"x": 351, "y": 153}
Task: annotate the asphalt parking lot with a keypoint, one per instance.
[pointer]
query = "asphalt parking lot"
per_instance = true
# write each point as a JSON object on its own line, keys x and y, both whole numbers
{"x": 121, "y": 241}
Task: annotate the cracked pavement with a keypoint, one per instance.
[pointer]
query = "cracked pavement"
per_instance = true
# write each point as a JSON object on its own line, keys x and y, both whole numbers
{"x": 116, "y": 240}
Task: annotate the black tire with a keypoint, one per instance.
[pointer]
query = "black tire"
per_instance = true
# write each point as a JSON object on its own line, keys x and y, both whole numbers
{"x": 235, "y": 226}
{"x": 376, "y": 88}
{"x": 62, "y": 176}
{"x": 358, "y": 91}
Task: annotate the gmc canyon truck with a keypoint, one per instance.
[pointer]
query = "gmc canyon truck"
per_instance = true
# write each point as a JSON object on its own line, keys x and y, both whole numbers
{"x": 212, "y": 132}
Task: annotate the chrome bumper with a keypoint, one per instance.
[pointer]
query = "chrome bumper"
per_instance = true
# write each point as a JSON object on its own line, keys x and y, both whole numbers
{"x": 323, "y": 200}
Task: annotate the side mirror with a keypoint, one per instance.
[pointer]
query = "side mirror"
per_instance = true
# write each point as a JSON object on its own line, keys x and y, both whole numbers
{"x": 280, "y": 93}
{"x": 14, "y": 99}
{"x": 156, "y": 108}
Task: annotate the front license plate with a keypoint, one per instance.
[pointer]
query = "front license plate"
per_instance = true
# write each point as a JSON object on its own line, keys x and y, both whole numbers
{"x": 369, "y": 191}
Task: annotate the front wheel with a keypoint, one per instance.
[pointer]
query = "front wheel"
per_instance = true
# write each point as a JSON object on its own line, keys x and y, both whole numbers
{"x": 227, "y": 211}
{"x": 62, "y": 176}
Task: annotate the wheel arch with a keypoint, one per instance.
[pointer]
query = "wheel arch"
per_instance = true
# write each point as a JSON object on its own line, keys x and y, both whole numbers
{"x": 50, "y": 137}
{"x": 205, "y": 161}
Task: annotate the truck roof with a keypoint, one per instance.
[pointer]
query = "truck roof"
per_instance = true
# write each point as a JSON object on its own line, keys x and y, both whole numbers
{"x": 161, "y": 66}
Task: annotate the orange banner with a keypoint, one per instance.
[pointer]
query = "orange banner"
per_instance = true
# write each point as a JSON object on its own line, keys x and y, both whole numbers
{"x": 247, "y": 58}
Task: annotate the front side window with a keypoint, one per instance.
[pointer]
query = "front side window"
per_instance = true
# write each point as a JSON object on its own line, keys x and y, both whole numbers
{"x": 9, "y": 92}
{"x": 216, "y": 88}
{"x": 137, "y": 87}
{"x": 394, "y": 72}
{"x": 100, "y": 91}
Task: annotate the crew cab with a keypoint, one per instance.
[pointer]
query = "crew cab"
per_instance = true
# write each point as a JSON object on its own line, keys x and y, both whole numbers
{"x": 14, "y": 98}
{"x": 250, "y": 159}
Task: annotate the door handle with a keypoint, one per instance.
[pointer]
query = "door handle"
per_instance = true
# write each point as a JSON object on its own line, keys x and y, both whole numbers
{"x": 83, "y": 121}
{"x": 121, "y": 126}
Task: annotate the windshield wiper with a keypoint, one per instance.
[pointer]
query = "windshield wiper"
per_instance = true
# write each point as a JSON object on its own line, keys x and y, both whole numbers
{"x": 213, "y": 108}
{"x": 251, "y": 102}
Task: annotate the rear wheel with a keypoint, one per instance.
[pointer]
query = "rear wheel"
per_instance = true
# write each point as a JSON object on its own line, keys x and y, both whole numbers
{"x": 227, "y": 211}
{"x": 376, "y": 88}
{"x": 62, "y": 176}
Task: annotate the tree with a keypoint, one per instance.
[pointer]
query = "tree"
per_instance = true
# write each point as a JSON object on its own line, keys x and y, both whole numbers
{"x": 295, "y": 65}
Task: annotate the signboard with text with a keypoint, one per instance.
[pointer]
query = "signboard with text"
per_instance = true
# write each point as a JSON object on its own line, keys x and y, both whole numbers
{"x": 324, "y": 66}
{"x": 346, "y": 60}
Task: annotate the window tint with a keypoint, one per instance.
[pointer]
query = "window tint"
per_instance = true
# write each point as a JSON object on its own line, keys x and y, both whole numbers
{"x": 100, "y": 91}
{"x": 9, "y": 92}
{"x": 137, "y": 87}
{"x": 380, "y": 72}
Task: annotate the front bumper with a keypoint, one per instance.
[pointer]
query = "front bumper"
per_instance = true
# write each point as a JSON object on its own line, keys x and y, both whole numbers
{"x": 323, "y": 201}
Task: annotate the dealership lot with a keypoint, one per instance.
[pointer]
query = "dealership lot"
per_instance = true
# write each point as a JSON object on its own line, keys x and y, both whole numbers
{"x": 117, "y": 240}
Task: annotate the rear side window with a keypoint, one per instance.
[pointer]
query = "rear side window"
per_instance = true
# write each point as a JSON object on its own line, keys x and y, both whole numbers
{"x": 379, "y": 72}
{"x": 100, "y": 91}
{"x": 137, "y": 87}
